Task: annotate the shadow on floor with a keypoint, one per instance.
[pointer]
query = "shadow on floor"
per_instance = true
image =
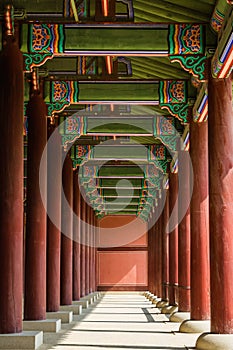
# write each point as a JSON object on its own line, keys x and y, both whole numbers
{"x": 144, "y": 347}
{"x": 119, "y": 331}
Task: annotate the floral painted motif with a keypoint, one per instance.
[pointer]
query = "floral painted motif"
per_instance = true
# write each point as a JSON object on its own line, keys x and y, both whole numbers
{"x": 46, "y": 38}
{"x": 157, "y": 152}
{"x": 192, "y": 39}
{"x": 64, "y": 91}
{"x": 172, "y": 91}
{"x": 177, "y": 91}
{"x": 217, "y": 20}
{"x": 40, "y": 38}
{"x": 164, "y": 125}
{"x": 185, "y": 39}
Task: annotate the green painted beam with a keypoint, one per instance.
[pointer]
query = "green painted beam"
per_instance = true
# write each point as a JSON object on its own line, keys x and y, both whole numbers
{"x": 119, "y": 171}
{"x": 118, "y": 92}
{"x": 117, "y": 204}
{"x": 117, "y": 125}
{"x": 122, "y": 213}
{"x": 119, "y": 193}
{"x": 113, "y": 182}
{"x": 61, "y": 65}
{"x": 120, "y": 152}
{"x": 114, "y": 39}
{"x": 125, "y": 201}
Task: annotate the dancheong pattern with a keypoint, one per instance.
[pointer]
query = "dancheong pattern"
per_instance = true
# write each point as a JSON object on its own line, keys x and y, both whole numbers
{"x": 172, "y": 92}
{"x": 185, "y": 39}
{"x": 64, "y": 91}
{"x": 217, "y": 20}
{"x": 46, "y": 38}
{"x": 157, "y": 152}
{"x": 164, "y": 130}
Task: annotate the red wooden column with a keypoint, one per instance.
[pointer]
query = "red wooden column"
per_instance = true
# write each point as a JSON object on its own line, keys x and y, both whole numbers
{"x": 67, "y": 231}
{"x": 184, "y": 235}
{"x": 54, "y": 179}
{"x": 221, "y": 203}
{"x": 200, "y": 307}
{"x": 96, "y": 238}
{"x": 95, "y": 228}
{"x": 94, "y": 252}
{"x": 87, "y": 250}
{"x": 91, "y": 251}
{"x": 173, "y": 240}
{"x": 82, "y": 248}
{"x": 165, "y": 248}
{"x": 159, "y": 256}
{"x": 76, "y": 238}
{"x": 35, "y": 254}
{"x": 11, "y": 187}
{"x": 152, "y": 286}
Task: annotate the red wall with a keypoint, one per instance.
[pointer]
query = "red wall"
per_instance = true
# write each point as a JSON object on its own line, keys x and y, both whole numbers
{"x": 122, "y": 267}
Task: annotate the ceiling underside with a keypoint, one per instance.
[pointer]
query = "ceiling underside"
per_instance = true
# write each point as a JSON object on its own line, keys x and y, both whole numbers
{"x": 183, "y": 11}
{"x": 124, "y": 177}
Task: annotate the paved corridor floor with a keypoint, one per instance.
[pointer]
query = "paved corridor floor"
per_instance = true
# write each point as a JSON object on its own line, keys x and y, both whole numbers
{"x": 121, "y": 321}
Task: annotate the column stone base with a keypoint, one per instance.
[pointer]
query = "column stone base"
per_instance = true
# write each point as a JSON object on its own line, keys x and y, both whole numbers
{"x": 64, "y": 316}
{"x": 211, "y": 341}
{"x": 155, "y": 300}
{"x": 160, "y": 304}
{"x": 151, "y": 297}
{"x": 24, "y": 340}
{"x": 76, "y": 309}
{"x": 179, "y": 316}
{"x": 195, "y": 326}
{"x": 48, "y": 325}
{"x": 98, "y": 294}
{"x": 88, "y": 298}
{"x": 94, "y": 296}
{"x": 84, "y": 303}
{"x": 169, "y": 309}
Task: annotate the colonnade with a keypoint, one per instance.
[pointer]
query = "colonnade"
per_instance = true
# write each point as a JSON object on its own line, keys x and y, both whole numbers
{"x": 190, "y": 265}
{"x": 197, "y": 270}
{"x": 60, "y": 260}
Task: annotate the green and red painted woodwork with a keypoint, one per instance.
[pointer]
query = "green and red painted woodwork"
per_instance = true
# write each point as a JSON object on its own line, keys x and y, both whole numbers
{"x": 156, "y": 155}
{"x": 222, "y": 61}
{"x": 200, "y": 108}
{"x": 173, "y": 97}
{"x": 218, "y": 15}
{"x": 162, "y": 127}
{"x": 184, "y": 42}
